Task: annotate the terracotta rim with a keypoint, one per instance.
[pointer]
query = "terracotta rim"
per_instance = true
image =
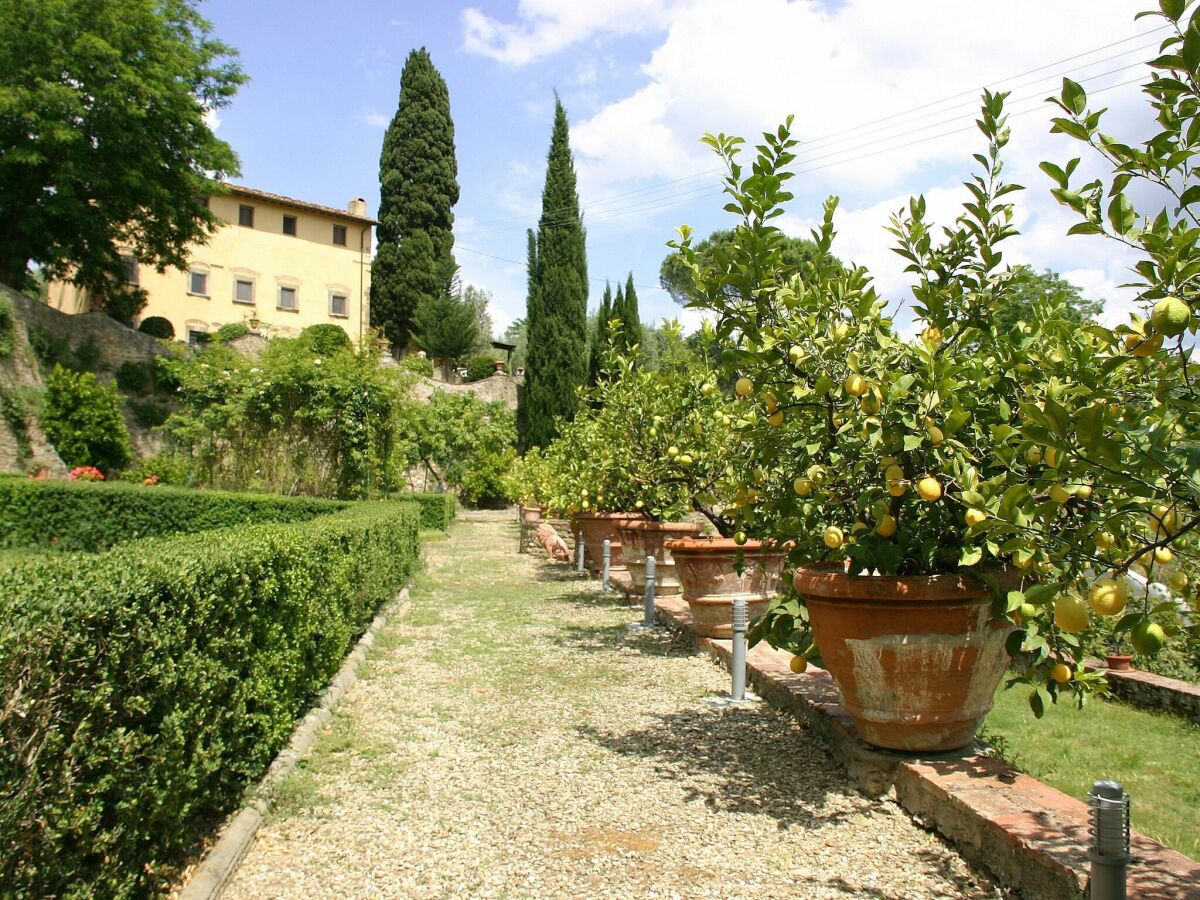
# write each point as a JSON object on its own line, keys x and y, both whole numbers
{"x": 831, "y": 581}
{"x": 648, "y": 525}
{"x": 722, "y": 545}
{"x": 609, "y": 515}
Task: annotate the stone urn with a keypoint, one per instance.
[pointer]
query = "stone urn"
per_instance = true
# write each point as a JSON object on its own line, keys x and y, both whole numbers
{"x": 596, "y": 528}
{"x": 500, "y": 367}
{"x": 707, "y": 570}
{"x": 917, "y": 659}
{"x": 642, "y": 539}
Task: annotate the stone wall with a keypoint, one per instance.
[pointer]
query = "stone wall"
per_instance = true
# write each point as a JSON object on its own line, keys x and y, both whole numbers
{"x": 1148, "y": 691}
{"x": 500, "y": 388}
{"x": 23, "y": 446}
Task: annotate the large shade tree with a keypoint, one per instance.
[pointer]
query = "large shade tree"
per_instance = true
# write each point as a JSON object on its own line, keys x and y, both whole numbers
{"x": 557, "y": 362}
{"x": 105, "y": 144}
{"x": 418, "y": 187}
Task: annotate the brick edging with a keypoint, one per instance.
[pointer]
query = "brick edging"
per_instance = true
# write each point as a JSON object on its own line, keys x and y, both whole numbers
{"x": 1031, "y": 836}
{"x": 221, "y": 861}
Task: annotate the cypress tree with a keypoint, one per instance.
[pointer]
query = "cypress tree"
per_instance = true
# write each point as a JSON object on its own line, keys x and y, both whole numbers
{"x": 631, "y": 323}
{"x": 600, "y": 335}
{"x": 418, "y": 187}
{"x": 557, "y": 360}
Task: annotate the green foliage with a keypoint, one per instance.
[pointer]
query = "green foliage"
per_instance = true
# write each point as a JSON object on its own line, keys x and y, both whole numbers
{"x": 437, "y": 510}
{"x": 106, "y": 143}
{"x": 231, "y": 331}
{"x": 418, "y": 183}
{"x": 157, "y": 326}
{"x": 557, "y": 358}
{"x": 483, "y": 482}
{"x": 480, "y": 367}
{"x": 631, "y": 325}
{"x": 479, "y": 300}
{"x": 515, "y": 334}
{"x": 82, "y": 419}
{"x": 1031, "y": 291}
{"x": 49, "y": 348}
{"x": 417, "y": 365}
{"x": 449, "y": 433}
{"x": 167, "y": 467}
{"x": 85, "y": 355}
{"x": 149, "y": 413}
{"x": 8, "y": 328}
{"x": 149, "y": 686}
{"x": 93, "y": 516}
{"x": 445, "y": 326}
{"x": 136, "y": 377}
{"x": 598, "y": 336}
{"x": 14, "y": 416}
{"x": 325, "y": 339}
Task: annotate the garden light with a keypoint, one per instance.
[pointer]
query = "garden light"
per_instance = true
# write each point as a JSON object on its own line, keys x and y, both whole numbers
{"x": 1109, "y": 828}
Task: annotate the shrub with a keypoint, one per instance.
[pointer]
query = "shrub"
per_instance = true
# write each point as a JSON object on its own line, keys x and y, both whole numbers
{"x": 480, "y": 367}
{"x": 232, "y": 331}
{"x": 92, "y": 517}
{"x": 144, "y": 689}
{"x": 149, "y": 413}
{"x": 164, "y": 468}
{"x": 82, "y": 418}
{"x": 8, "y": 328}
{"x": 136, "y": 377}
{"x": 157, "y": 326}
{"x": 86, "y": 355}
{"x": 324, "y": 340}
{"x": 419, "y": 365}
{"x": 437, "y": 510}
{"x": 483, "y": 484}
{"x": 50, "y": 349}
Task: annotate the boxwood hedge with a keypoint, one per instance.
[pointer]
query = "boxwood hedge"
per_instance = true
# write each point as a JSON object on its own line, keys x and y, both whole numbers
{"x": 142, "y": 689}
{"x": 95, "y": 516}
{"x": 437, "y": 510}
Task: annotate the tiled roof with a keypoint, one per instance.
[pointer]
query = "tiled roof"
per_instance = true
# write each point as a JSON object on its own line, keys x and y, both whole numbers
{"x": 298, "y": 204}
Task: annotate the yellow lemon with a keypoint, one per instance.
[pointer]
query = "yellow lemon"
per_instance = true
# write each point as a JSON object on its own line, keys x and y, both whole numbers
{"x": 744, "y": 387}
{"x": 585, "y": 505}
{"x": 772, "y": 403}
{"x": 840, "y": 331}
{"x": 776, "y": 418}
{"x": 1083, "y": 491}
{"x": 1179, "y": 580}
{"x": 935, "y": 435}
{"x": 1147, "y": 638}
{"x": 834, "y": 537}
{"x": 932, "y": 336}
{"x": 1143, "y": 345}
{"x": 975, "y": 516}
{"x": 929, "y": 488}
{"x": 798, "y": 664}
{"x": 1170, "y": 316}
{"x": 684, "y": 460}
{"x": 1061, "y": 673}
{"x": 893, "y": 473}
{"x": 803, "y": 486}
{"x": 1051, "y": 457}
{"x": 739, "y": 537}
{"x": 796, "y": 354}
{"x": 887, "y": 526}
{"x": 856, "y": 385}
{"x": 672, "y": 451}
{"x": 1163, "y": 555}
{"x": 1059, "y": 494}
{"x": 816, "y": 474}
{"x": 897, "y": 488}
{"x": 1033, "y": 456}
{"x": 1108, "y": 596}
{"x": 1163, "y": 517}
{"x": 871, "y": 402}
{"x": 1070, "y": 613}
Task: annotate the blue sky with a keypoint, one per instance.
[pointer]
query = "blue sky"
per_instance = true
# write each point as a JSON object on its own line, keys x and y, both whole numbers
{"x": 883, "y": 92}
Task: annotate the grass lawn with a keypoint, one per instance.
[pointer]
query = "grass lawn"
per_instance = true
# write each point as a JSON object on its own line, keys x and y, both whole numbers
{"x": 1154, "y": 755}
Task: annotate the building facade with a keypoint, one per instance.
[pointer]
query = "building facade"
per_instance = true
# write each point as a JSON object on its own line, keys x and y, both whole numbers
{"x": 277, "y": 265}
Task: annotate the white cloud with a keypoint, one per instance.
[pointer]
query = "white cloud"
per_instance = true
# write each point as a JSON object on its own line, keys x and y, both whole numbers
{"x": 376, "y": 119}
{"x": 545, "y": 27}
{"x": 211, "y": 119}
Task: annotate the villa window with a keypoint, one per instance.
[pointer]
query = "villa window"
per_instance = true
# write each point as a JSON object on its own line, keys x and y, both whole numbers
{"x": 243, "y": 290}
{"x": 339, "y": 235}
{"x": 289, "y": 225}
{"x": 131, "y": 269}
{"x": 339, "y": 306}
{"x": 246, "y": 216}
{"x": 288, "y": 298}
{"x": 198, "y": 283}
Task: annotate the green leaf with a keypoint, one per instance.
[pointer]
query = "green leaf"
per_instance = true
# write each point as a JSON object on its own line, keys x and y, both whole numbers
{"x": 912, "y": 442}
{"x": 1073, "y": 97}
{"x": 1121, "y": 214}
{"x": 1036, "y": 704}
{"x": 970, "y": 556}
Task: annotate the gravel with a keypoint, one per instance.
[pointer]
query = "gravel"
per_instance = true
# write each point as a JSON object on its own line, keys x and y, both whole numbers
{"x": 509, "y": 738}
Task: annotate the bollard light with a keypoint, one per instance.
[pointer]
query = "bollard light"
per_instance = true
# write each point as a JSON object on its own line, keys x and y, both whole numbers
{"x": 579, "y": 553}
{"x": 738, "y": 663}
{"x": 607, "y": 564}
{"x": 651, "y": 578}
{"x": 1109, "y": 828}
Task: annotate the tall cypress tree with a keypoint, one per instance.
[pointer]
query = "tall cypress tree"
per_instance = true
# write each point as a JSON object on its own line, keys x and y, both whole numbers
{"x": 557, "y": 361}
{"x": 600, "y": 335}
{"x": 418, "y": 187}
{"x": 631, "y": 323}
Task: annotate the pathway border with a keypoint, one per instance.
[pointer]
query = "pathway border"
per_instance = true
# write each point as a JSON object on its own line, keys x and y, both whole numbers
{"x": 1031, "y": 836}
{"x": 221, "y": 861}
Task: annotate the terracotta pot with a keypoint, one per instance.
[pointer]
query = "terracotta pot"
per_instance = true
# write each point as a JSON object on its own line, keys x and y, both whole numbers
{"x": 531, "y": 515}
{"x": 596, "y": 527}
{"x": 1119, "y": 662}
{"x": 642, "y": 539}
{"x": 706, "y": 570}
{"x": 916, "y": 658}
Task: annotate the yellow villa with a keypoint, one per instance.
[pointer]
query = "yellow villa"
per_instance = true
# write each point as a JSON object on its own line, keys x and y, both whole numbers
{"x": 277, "y": 264}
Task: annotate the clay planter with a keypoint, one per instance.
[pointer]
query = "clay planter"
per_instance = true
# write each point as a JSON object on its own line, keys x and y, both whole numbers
{"x": 705, "y": 567}
{"x": 598, "y": 526}
{"x": 1119, "y": 662}
{"x": 915, "y": 658}
{"x": 642, "y": 539}
{"x": 531, "y": 515}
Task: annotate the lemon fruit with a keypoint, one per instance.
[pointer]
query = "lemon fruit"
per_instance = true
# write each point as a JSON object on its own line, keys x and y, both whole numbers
{"x": 672, "y": 451}
{"x": 1143, "y": 345}
{"x": 1163, "y": 555}
{"x": 1061, "y": 673}
{"x": 871, "y": 402}
{"x": 739, "y": 537}
{"x": 1070, "y": 613}
{"x": 1171, "y": 316}
{"x": 776, "y": 418}
{"x": 744, "y": 387}
{"x": 893, "y": 473}
{"x": 798, "y": 665}
{"x": 897, "y": 488}
{"x": 1179, "y": 580}
{"x": 887, "y": 526}
{"x": 932, "y": 336}
{"x": 1108, "y": 596}
{"x": 1059, "y": 494}
{"x": 929, "y": 488}
{"x": 802, "y": 486}
{"x": 834, "y": 537}
{"x": 975, "y": 516}
{"x": 1147, "y": 638}
{"x": 1033, "y": 456}
{"x": 936, "y": 436}
{"x": 856, "y": 385}
{"x": 796, "y": 354}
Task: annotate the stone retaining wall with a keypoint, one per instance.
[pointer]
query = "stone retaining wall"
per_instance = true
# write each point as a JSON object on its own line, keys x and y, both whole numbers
{"x": 1147, "y": 691}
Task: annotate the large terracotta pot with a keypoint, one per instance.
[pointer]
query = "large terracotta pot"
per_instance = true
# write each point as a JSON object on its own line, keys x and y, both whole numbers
{"x": 642, "y": 539}
{"x": 597, "y": 527}
{"x": 531, "y": 515}
{"x": 710, "y": 582}
{"x": 916, "y": 658}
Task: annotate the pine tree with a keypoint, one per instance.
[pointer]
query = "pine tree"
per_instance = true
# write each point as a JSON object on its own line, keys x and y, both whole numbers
{"x": 631, "y": 323}
{"x": 418, "y": 186}
{"x": 557, "y": 361}
{"x": 599, "y": 341}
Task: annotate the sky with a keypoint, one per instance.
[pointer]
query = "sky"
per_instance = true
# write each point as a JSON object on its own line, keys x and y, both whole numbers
{"x": 884, "y": 96}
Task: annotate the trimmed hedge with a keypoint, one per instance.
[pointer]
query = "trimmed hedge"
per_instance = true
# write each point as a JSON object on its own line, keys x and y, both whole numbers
{"x": 96, "y": 516}
{"x": 143, "y": 689}
{"x": 437, "y": 510}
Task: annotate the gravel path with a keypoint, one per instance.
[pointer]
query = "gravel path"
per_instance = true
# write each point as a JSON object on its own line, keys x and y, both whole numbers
{"x": 509, "y": 738}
